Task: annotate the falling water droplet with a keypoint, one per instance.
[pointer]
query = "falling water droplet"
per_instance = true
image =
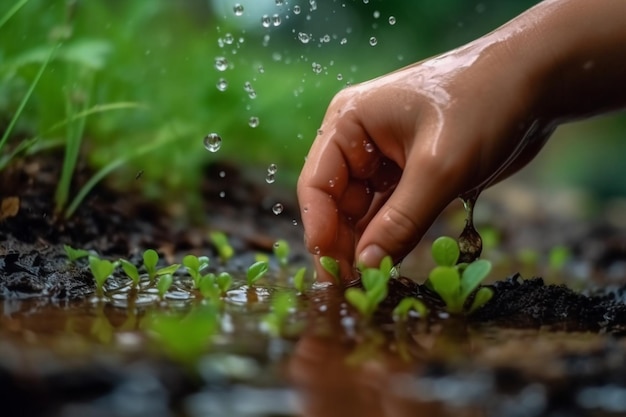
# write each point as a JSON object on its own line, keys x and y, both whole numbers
{"x": 303, "y": 37}
{"x": 317, "y": 68}
{"x": 470, "y": 242}
{"x": 253, "y": 122}
{"x": 270, "y": 179}
{"x": 339, "y": 76}
{"x": 280, "y": 2}
{"x": 296, "y": 9}
{"x": 392, "y": 20}
{"x": 212, "y": 142}
{"x": 222, "y": 84}
{"x": 376, "y": 14}
{"x": 222, "y": 194}
{"x": 221, "y": 63}
{"x": 369, "y": 147}
{"x": 266, "y": 21}
{"x": 343, "y": 41}
{"x": 229, "y": 39}
{"x": 331, "y": 183}
{"x": 272, "y": 169}
{"x": 316, "y": 250}
{"x": 276, "y": 20}
{"x": 294, "y": 222}
{"x": 277, "y": 208}
{"x": 373, "y": 41}
{"x": 238, "y": 9}
{"x": 222, "y": 174}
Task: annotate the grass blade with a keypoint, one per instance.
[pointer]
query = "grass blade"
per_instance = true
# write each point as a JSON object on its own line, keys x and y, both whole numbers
{"x": 11, "y": 12}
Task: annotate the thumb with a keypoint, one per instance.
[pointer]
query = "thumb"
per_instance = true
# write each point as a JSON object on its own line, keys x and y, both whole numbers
{"x": 422, "y": 193}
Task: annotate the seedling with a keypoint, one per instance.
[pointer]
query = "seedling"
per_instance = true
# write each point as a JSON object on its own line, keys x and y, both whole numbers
{"x": 408, "y": 304}
{"x": 209, "y": 289}
{"x": 75, "y": 254}
{"x": 558, "y": 257}
{"x": 164, "y": 283}
{"x": 256, "y": 271}
{"x": 194, "y": 266}
{"x": 282, "y": 305}
{"x": 374, "y": 290}
{"x": 101, "y": 269}
{"x": 131, "y": 271}
{"x": 224, "y": 281}
{"x": 224, "y": 250}
{"x": 281, "y": 251}
{"x": 150, "y": 260}
{"x": 331, "y": 266}
{"x": 456, "y": 282}
{"x": 299, "y": 280}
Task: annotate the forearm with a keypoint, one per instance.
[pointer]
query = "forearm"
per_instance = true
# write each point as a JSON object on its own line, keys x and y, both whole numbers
{"x": 574, "y": 53}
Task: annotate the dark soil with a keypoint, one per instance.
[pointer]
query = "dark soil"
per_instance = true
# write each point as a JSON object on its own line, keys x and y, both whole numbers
{"x": 36, "y": 282}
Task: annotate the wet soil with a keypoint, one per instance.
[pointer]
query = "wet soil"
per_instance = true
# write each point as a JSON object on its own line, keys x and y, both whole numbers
{"x": 538, "y": 348}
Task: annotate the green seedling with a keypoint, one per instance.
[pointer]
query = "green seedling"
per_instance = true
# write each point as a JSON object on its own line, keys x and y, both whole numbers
{"x": 209, "y": 289}
{"x": 75, "y": 254}
{"x": 224, "y": 281}
{"x": 331, "y": 266}
{"x": 374, "y": 290}
{"x": 455, "y": 283}
{"x": 558, "y": 257}
{"x": 224, "y": 250}
{"x": 195, "y": 265}
{"x": 131, "y": 271}
{"x": 299, "y": 280}
{"x": 408, "y": 304}
{"x": 101, "y": 269}
{"x": 185, "y": 338}
{"x": 281, "y": 307}
{"x": 256, "y": 271}
{"x": 150, "y": 260}
{"x": 281, "y": 251}
{"x": 164, "y": 283}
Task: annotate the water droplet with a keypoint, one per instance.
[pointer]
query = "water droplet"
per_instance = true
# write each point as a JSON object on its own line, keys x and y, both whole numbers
{"x": 272, "y": 169}
{"x": 331, "y": 183}
{"x": 238, "y": 9}
{"x": 317, "y": 68}
{"x": 294, "y": 222}
{"x": 369, "y": 147}
{"x": 325, "y": 38}
{"x": 221, "y": 63}
{"x": 339, "y": 77}
{"x": 266, "y": 21}
{"x": 280, "y": 2}
{"x": 270, "y": 179}
{"x": 261, "y": 69}
{"x": 320, "y": 131}
{"x": 366, "y": 1}
{"x": 222, "y": 174}
{"x": 316, "y": 250}
{"x": 296, "y": 9}
{"x": 253, "y": 122}
{"x": 373, "y": 41}
{"x": 222, "y": 84}
{"x": 376, "y": 14}
{"x": 304, "y": 38}
{"x": 313, "y": 5}
{"x": 343, "y": 41}
{"x": 212, "y": 142}
{"x": 229, "y": 39}
{"x": 276, "y": 20}
{"x": 222, "y": 194}
{"x": 392, "y": 20}
{"x": 277, "y": 208}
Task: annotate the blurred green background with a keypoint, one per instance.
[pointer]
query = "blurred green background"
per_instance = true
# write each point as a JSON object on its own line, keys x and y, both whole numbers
{"x": 162, "y": 55}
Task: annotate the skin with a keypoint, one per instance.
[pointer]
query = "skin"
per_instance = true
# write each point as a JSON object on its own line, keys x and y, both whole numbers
{"x": 393, "y": 152}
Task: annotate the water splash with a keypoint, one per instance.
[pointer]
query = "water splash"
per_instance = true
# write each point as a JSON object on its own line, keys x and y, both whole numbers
{"x": 213, "y": 142}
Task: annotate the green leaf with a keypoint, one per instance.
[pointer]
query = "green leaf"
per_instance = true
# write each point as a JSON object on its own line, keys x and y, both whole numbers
{"x": 447, "y": 283}
{"x": 386, "y": 265}
{"x": 376, "y": 295}
{"x": 281, "y": 251}
{"x": 164, "y": 284}
{"x": 357, "y": 298}
{"x": 101, "y": 269}
{"x": 130, "y": 270}
{"x": 191, "y": 262}
{"x": 558, "y": 257}
{"x": 224, "y": 281}
{"x": 224, "y": 250}
{"x": 299, "y": 280}
{"x": 331, "y": 266}
{"x": 74, "y": 254}
{"x": 481, "y": 298}
{"x": 473, "y": 275}
{"x": 406, "y": 305}
{"x": 150, "y": 260}
{"x": 256, "y": 271}
{"x": 208, "y": 289}
{"x": 168, "y": 269}
{"x": 373, "y": 278}
{"x": 445, "y": 251}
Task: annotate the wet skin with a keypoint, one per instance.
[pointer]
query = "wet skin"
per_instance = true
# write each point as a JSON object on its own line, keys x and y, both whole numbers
{"x": 393, "y": 152}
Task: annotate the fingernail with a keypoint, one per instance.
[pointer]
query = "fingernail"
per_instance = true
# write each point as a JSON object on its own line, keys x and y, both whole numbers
{"x": 371, "y": 256}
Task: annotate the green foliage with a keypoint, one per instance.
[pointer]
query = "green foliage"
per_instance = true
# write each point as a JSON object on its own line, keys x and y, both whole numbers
{"x": 224, "y": 281}
{"x": 408, "y": 304}
{"x": 164, "y": 283}
{"x": 75, "y": 254}
{"x": 558, "y": 257}
{"x": 185, "y": 338}
{"x": 150, "y": 261}
{"x": 101, "y": 269}
{"x": 299, "y": 280}
{"x": 224, "y": 250}
{"x": 256, "y": 271}
{"x": 195, "y": 265}
{"x": 281, "y": 307}
{"x": 456, "y": 283}
{"x": 131, "y": 271}
{"x": 331, "y": 266}
{"x": 281, "y": 251}
{"x": 209, "y": 289}
{"x": 374, "y": 290}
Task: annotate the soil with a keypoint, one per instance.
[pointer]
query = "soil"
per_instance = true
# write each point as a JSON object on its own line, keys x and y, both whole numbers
{"x": 536, "y": 349}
